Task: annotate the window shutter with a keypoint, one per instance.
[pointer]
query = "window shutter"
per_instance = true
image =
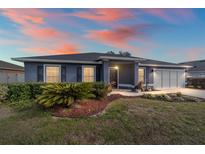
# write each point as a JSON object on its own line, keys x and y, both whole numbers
{"x": 63, "y": 73}
{"x": 98, "y": 73}
{"x": 40, "y": 73}
{"x": 79, "y": 74}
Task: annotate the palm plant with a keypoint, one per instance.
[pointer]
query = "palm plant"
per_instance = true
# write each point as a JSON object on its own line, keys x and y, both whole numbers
{"x": 63, "y": 94}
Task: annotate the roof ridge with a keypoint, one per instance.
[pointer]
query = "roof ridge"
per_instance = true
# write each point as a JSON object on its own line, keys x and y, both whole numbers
{"x": 201, "y": 60}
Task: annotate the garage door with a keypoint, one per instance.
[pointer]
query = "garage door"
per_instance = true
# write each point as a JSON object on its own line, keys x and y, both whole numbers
{"x": 167, "y": 78}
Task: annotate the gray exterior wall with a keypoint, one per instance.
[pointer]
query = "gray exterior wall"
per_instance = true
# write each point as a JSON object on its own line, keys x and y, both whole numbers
{"x": 105, "y": 71}
{"x": 71, "y": 72}
{"x": 31, "y": 71}
{"x": 196, "y": 74}
{"x": 128, "y": 73}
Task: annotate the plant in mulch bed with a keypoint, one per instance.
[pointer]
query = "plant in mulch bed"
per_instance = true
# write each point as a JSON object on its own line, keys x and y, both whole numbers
{"x": 100, "y": 90}
{"x": 64, "y": 94}
{"x": 86, "y": 108}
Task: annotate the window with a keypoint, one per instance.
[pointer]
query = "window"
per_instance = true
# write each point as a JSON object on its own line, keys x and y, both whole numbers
{"x": 52, "y": 73}
{"x": 141, "y": 75}
{"x": 88, "y": 74}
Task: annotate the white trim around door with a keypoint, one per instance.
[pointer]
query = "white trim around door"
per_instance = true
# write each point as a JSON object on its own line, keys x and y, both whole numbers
{"x": 118, "y": 72}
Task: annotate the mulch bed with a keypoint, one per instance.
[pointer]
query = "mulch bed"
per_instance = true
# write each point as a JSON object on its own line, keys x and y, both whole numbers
{"x": 86, "y": 108}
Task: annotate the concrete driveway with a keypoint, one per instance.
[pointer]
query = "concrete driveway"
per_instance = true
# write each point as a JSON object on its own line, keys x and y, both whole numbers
{"x": 185, "y": 91}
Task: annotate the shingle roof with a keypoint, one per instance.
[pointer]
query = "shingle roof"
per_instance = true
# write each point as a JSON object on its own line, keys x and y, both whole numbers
{"x": 156, "y": 62}
{"x": 6, "y": 65}
{"x": 93, "y": 57}
{"x": 198, "y": 65}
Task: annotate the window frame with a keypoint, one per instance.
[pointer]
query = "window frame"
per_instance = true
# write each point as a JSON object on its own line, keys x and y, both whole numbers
{"x": 88, "y": 66}
{"x": 51, "y": 65}
{"x": 144, "y": 68}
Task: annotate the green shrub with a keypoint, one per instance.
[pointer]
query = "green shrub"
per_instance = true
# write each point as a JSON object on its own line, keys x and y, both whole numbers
{"x": 100, "y": 90}
{"x": 149, "y": 96}
{"x": 64, "y": 94}
{"x": 164, "y": 97}
{"x": 35, "y": 89}
{"x": 24, "y": 91}
{"x": 23, "y": 104}
{"x": 19, "y": 92}
{"x": 179, "y": 94}
{"x": 196, "y": 82}
{"x": 3, "y": 92}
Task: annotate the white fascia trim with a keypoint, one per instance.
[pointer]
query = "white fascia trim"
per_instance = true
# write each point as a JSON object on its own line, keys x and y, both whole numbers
{"x": 54, "y": 61}
{"x": 120, "y": 58}
{"x": 156, "y": 65}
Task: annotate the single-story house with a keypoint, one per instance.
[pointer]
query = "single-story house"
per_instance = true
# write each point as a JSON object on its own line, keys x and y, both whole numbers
{"x": 11, "y": 73}
{"x": 197, "y": 70}
{"x": 123, "y": 71}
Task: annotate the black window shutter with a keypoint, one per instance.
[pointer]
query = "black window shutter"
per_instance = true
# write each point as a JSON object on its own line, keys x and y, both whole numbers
{"x": 40, "y": 73}
{"x": 63, "y": 73}
{"x": 98, "y": 73}
{"x": 79, "y": 74}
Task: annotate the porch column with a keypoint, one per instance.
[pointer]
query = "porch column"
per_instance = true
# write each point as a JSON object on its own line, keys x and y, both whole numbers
{"x": 105, "y": 71}
{"x": 136, "y": 66}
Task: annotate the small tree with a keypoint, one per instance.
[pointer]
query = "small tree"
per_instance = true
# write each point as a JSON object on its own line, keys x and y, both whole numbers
{"x": 125, "y": 53}
{"x": 111, "y": 52}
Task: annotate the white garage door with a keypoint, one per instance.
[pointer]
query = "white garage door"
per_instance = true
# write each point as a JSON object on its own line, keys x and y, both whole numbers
{"x": 167, "y": 78}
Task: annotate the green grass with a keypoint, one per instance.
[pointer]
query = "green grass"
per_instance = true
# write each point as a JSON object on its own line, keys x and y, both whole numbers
{"x": 126, "y": 121}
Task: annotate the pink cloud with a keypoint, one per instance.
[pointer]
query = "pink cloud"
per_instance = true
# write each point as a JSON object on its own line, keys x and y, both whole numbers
{"x": 64, "y": 48}
{"x": 189, "y": 54}
{"x": 43, "y": 33}
{"x": 33, "y": 24}
{"x": 119, "y": 37}
{"x": 170, "y": 15}
{"x": 194, "y": 53}
{"x": 104, "y": 15}
{"x": 25, "y": 17}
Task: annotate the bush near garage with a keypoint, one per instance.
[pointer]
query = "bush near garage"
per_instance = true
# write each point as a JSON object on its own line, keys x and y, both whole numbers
{"x": 198, "y": 83}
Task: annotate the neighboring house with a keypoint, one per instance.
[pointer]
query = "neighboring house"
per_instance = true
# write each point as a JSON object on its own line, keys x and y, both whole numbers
{"x": 10, "y": 73}
{"x": 197, "y": 70}
{"x": 124, "y": 71}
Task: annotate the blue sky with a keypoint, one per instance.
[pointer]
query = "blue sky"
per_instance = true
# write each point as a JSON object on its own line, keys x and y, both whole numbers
{"x": 174, "y": 35}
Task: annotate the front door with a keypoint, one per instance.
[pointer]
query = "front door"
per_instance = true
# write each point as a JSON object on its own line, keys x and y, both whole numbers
{"x": 114, "y": 77}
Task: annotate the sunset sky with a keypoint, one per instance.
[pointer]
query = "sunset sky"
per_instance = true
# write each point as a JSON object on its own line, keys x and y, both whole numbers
{"x": 174, "y": 35}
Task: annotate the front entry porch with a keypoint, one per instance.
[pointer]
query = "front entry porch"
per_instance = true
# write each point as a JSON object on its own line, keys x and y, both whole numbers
{"x": 121, "y": 74}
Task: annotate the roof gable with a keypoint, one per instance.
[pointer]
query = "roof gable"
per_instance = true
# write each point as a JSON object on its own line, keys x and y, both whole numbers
{"x": 6, "y": 65}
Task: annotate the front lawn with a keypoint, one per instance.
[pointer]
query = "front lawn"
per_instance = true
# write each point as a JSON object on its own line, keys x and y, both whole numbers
{"x": 125, "y": 121}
